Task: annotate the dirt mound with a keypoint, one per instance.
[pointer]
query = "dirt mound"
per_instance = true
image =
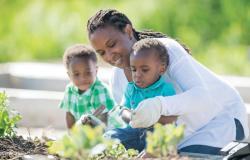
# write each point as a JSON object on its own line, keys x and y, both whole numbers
{"x": 17, "y": 147}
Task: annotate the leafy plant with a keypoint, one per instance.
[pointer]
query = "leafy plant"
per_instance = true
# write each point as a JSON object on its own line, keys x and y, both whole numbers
{"x": 85, "y": 142}
{"x": 8, "y": 118}
{"x": 78, "y": 143}
{"x": 114, "y": 150}
{"x": 163, "y": 141}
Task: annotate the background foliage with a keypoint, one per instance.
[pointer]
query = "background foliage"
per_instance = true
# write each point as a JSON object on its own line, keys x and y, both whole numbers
{"x": 216, "y": 31}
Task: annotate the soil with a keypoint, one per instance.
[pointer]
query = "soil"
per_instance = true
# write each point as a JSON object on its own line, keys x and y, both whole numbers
{"x": 147, "y": 156}
{"x": 17, "y": 147}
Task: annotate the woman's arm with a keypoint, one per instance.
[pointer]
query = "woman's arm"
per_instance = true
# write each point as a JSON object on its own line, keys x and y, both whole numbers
{"x": 70, "y": 120}
{"x": 186, "y": 72}
{"x": 195, "y": 99}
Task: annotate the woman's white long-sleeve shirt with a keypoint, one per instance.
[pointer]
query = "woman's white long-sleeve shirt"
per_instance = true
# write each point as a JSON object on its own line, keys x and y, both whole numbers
{"x": 204, "y": 103}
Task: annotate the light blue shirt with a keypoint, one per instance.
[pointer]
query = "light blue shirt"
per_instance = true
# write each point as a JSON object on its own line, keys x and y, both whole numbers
{"x": 134, "y": 94}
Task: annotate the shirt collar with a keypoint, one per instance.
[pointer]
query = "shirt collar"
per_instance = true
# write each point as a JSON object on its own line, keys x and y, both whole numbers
{"x": 152, "y": 86}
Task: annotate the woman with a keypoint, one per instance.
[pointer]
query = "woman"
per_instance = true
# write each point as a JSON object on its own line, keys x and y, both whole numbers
{"x": 212, "y": 110}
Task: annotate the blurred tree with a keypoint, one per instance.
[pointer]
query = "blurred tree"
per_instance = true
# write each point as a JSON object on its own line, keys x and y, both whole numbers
{"x": 41, "y": 30}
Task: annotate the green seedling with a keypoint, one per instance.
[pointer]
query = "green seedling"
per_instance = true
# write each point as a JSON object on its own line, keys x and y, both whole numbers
{"x": 85, "y": 142}
{"x": 163, "y": 141}
{"x": 8, "y": 118}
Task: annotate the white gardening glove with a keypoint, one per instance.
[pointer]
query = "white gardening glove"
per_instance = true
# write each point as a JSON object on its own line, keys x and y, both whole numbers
{"x": 147, "y": 113}
{"x": 84, "y": 119}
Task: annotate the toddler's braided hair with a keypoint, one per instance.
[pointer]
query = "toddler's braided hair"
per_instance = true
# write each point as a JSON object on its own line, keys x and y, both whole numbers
{"x": 112, "y": 17}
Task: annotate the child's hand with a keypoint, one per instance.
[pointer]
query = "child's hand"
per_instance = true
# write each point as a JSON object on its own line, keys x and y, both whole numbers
{"x": 83, "y": 120}
{"x": 126, "y": 115}
{"x": 88, "y": 119}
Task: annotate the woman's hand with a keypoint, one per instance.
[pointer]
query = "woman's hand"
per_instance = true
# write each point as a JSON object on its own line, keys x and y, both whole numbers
{"x": 147, "y": 113}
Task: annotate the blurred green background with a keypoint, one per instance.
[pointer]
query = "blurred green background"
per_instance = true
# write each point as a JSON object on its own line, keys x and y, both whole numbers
{"x": 217, "y": 31}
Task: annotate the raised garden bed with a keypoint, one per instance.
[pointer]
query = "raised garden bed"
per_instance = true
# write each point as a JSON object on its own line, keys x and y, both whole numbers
{"x": 84, "y": 142}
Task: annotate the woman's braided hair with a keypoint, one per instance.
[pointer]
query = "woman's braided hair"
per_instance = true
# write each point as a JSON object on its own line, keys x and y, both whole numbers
{"x": 112, "y": 17}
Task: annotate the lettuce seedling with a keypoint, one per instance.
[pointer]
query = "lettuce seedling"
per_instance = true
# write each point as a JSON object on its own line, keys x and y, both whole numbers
{"x": 163, "y": 141}
{"x": 85, "y": 142}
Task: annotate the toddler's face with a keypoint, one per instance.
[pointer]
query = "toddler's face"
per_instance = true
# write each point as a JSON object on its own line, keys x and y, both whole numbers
{"x": 82, "y": 73}
{"x": 146, "y": 68}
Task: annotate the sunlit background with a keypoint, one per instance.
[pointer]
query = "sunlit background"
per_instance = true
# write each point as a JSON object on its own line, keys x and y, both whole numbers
{"x": 35, "y": 33}
{"x": 217, "y": 31}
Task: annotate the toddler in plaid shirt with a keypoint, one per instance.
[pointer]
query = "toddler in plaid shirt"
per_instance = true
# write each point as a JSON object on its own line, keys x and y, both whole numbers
{"x": 85, "y": 95}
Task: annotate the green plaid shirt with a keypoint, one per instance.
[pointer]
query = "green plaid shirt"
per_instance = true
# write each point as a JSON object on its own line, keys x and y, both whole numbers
{"x": 87, "y": 102}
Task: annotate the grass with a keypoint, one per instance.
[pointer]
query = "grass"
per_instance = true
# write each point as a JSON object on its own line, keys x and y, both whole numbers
{"x": 233, "y": 60}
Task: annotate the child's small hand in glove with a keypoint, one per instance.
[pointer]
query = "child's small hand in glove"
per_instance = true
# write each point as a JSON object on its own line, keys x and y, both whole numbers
{"x": 126, "y": 115}
{"x": 83, "y": 120}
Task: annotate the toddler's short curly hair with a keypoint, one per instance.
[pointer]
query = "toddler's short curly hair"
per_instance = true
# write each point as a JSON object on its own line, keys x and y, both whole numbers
{"x": 154, "y": 44}
{"x": 78, "y": 51}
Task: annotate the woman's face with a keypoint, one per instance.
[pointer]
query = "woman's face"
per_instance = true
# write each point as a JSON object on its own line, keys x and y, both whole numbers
{"x": 113, "y": 45}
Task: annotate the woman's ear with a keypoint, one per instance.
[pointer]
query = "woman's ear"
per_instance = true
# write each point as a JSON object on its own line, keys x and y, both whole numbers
{"x": 129, "y": 30}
